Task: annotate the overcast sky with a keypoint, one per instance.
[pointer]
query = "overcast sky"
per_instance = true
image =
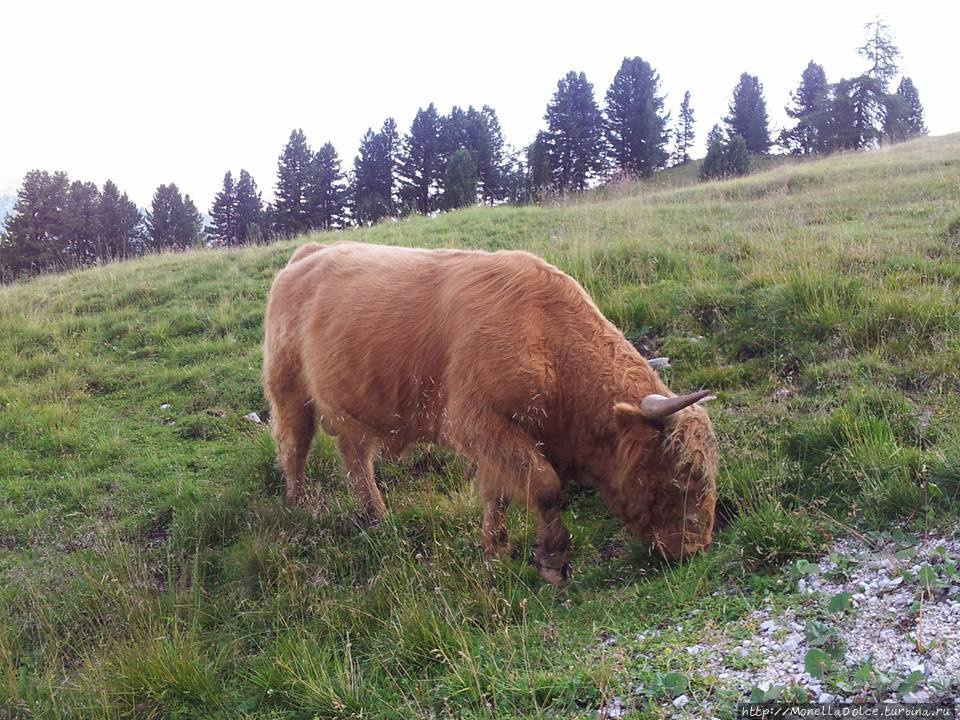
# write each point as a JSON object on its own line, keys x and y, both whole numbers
{"x": 150, "y": 93}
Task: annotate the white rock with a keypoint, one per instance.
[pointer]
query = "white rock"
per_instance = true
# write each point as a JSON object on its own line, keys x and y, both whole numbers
{"x": 768, "y": 626}
{"x": 920, "y": 696}
{"x": 253, "y": 417}
{"x": 824, "y": 698}
{"x": 680, "y": 701}
{"x": 165, "y": 406}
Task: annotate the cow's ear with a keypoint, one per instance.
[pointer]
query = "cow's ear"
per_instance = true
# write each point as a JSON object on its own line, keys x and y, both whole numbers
{"x": 627, "y": 415}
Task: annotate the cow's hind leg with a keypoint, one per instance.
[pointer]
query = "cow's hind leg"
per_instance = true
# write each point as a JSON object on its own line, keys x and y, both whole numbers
{"x": 358, "y": 460}
{"x": 294, "y": 426}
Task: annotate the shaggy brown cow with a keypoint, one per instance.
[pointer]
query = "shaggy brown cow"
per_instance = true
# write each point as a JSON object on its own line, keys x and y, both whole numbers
{"x": 501, "y": 357}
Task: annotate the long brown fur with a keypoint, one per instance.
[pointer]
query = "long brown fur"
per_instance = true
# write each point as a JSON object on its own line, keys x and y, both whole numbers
{"x": 501, "y": 357}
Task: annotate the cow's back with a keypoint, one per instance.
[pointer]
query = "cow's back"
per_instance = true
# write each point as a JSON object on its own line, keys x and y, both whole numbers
{"x": 401, "y": 341}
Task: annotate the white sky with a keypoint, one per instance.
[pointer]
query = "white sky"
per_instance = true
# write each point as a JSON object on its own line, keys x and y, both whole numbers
{"x": 149, "y": 93}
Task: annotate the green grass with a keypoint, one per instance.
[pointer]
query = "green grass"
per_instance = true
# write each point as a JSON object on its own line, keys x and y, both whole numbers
{"x": 149, "y": 569}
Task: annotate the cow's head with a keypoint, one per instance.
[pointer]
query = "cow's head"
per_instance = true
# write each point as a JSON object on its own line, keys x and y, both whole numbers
{"x": 668, "y": 457}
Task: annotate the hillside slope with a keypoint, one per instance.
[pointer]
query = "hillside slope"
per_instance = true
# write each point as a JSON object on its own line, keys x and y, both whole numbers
{"x": 149, "y": 568}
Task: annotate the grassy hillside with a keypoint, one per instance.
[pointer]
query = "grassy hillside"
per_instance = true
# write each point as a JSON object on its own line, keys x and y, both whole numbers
{"x": 148, "y": 567}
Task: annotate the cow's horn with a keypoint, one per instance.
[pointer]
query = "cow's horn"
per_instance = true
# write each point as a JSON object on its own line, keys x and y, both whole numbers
{"x": 658, "y": 407}
{"x": 659, "y": 363}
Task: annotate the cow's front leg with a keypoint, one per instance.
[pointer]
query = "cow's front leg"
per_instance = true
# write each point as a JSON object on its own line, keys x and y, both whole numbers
{"x": 493, "y": 536}
{"x": 552, "y": 554}
{"x": 510, "y": 464}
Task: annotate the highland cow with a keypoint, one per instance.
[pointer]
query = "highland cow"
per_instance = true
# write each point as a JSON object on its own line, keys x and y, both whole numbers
{"x": 501, "y": 357}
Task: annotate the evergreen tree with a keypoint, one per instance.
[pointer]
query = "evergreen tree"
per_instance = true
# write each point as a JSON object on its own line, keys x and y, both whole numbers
{"x": 421, "y": 160}
{"x": 913, "y": 117}
{"x": 81, "y": 224}
{"x": 252, "y": 226}
{"x": 810, "y": 108}
{"x": 842, "y": 133}
{"x": 486, "y": 138}
{"x": 373, "y": 181}
{"x": 869, "y": 102}
{"x": 460, "y": 181}
{"x": 726, "y": 156}
{"x": 225, "y": 224}
{"x": 34, "y": 239}
{"x": 326, "y": 193}
{"x": 173, "y": 222}
{"x": 684, "y": 135}
{"x": 120, "y": 223}
{"x": 636, "y": 125}
{"x": 575, "y": 131}
{"x": 539, "y": 170}
{"x": 748, "y": 114}
{"x": 293, "y": 174}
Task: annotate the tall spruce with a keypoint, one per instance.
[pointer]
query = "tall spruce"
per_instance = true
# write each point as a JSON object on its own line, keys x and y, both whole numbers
{"x": 173, "y": 222}
{"x": 225, "y": 227}
{"x": 460, "y": 181}
{"x": 810, "y": 107}
{"x": 373, "y": 183}
{"x": 292, "y": 212}
{"x": 842, "y": 133}
{"x": 913, "y": 121}
{"x": 539, "y": 169}
{"x": 121, "y": 225}
{"x": 575, "y": 131}
{"x": 81, "y": 224}
{"x": 35, "y": 236}
{"x": 684, "y": 134}
{"x": 326, "y": 192}
{"x": 421, "y": 162}
{"x": 635, "y": 123}
{"x": 870, "y": 91}
{"x": 486, "y": 137}
{"x": 748, "y": 114}
{"x": 251, "y": 225}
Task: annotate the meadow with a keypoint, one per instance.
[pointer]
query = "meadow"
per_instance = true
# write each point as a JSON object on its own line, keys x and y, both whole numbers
{"x": 149, "y": 568}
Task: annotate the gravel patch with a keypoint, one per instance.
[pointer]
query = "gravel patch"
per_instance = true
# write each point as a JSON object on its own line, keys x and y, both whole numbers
{"x": 884, "y": 607}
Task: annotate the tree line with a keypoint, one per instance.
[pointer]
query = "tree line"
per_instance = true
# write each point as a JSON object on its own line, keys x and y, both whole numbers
{"x": 457, "y": 159}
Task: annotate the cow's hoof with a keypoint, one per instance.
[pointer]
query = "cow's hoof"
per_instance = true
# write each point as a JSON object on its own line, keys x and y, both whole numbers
{"x": 558, "y": 577}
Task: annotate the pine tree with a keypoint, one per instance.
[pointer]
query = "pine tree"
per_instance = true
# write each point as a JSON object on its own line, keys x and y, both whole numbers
{"x": 420, "y": 166}
{"x": 81, "y": 224}
{"x": 326, "y": 194}
{"x": 575, "y": 130}
{"x": 120, "y": 223}
{"x": 34, "y": 239}
{"x": 293, "y": 173}
{"x": 913, "y": 117}
{"x": 684, "y": 135}
{"x": 223, "y": 214}
{"x": 251, "y": 225}
{"x": 460, "y": 181}
{"x": 869, "y": 91}
{"x": 636, "y": 125}
{"x": 869, "y": 102}
{"x": 748, "y": 114}
{"x": 810, "y": 108}
{"x": 373, "y": 181}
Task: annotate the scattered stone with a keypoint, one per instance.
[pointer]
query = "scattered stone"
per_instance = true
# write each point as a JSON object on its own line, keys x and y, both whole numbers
{"x": 680, "y": 701}
{"x": 253, "y": 417}
{"x": 165, "y": 406}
